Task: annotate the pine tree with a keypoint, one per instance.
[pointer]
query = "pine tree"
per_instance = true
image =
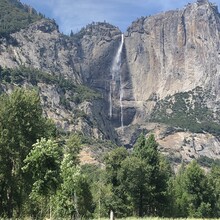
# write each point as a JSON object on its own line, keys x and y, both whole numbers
{"x": 193, "y": 194}
{"x": 113, "y": 163}
{"x": 144, "y": 179}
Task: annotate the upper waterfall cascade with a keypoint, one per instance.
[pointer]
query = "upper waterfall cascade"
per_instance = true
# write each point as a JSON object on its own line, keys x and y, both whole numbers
{"x": 116, "y": 74}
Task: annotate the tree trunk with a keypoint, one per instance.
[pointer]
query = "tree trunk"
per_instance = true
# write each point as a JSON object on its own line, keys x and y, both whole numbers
{"x": 9, "y": 203}
{"x": 140, "y": 214}
{"x": 112, "y": 215}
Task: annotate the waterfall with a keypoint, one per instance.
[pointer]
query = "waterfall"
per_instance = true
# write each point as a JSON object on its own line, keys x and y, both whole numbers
{"x": 121, "y": 104}
{"x": 116, "y": 73}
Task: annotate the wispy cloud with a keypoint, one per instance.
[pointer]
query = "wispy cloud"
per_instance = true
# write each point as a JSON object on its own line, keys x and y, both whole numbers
{"x": 75, "y": 14}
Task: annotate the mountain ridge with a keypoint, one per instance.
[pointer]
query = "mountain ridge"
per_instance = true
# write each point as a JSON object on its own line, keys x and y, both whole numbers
{"x": 164, "y": 59}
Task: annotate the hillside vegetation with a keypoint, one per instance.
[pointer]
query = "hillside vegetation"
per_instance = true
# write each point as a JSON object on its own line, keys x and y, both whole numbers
{"x": 187, "y": 110}
{"x": 14, "y": 16}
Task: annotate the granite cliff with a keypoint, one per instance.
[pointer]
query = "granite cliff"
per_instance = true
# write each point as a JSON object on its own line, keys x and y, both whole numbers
{"x": 167, "y": 80}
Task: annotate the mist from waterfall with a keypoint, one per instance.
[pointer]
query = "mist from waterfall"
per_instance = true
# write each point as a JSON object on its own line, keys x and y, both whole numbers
{"x": 115, "y": 73}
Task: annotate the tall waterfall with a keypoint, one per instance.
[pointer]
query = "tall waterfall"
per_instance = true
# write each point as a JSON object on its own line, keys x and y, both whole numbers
{"x": 116, "y": 73}
{"x": 121, "y": 104}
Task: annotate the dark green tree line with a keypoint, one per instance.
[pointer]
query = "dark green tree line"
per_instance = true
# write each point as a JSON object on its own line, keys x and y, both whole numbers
{"x": 41, "y": 175}
{"x": 193, "y": 194}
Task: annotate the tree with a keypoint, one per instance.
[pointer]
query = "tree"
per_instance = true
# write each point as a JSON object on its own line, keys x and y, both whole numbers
{"x": 162, "y": 197}
{"x": 74, "y": 199}
{"x": 192, "y": 192}
{"x": 198, "y": 191}
{"x": 134, "y": 178}
{"x": 178, "y": 194}
{"x": 113, "y": 162}
{"x": 145, "y": 179}
{"x": 43, "y": 165}
{"x": 101, "y": 189}
{"x": 214, "y": 184}
{"x": 21, "y": 124}
{"x": 157, "y": 180}
{"x": 71, "y": 33}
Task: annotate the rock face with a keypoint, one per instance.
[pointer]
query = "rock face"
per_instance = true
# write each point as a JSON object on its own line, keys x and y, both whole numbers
{"x": 80, "y": 59}
{"x": 186, "y": 145}
{"x": 173, "y": 52}
{"x": 169, "y": 74}
{"x": 40, "y": 46}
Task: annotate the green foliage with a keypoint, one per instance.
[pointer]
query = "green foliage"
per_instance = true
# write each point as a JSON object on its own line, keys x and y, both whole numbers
{"x": 102, "y": 190}
{"x": 147, "y": 149}
{"x": 43, "y": 178}
{"x": 113, "y": 161}
{"x": 139, "y": 180}
{"x": 74, "y": 198}
{"x": 192, "y": 192}
{"x": 151, "y": 198}
{"x": 89, "y": 30}
{"x": 33, "y": 76}
{"x": 84, "y": 93}
{"x": 21, "y": 124}
{"x": 214, "y": 184}
{"x": 208, "y": 162}
{"x": 135, "y": 176}
{"x": 15, "y": 16}
{"x": 196, "y": 185}
{"x": 187, "y": 110}
{"x": 72, "y": 148}
{"x": 43, "y": 163}
{"x": 78, "y": 93}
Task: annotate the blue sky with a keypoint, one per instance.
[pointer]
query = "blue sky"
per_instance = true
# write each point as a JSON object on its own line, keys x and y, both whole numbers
{"x": 75, "y": 14}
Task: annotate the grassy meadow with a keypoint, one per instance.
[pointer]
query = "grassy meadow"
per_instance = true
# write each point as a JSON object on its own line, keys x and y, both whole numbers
{"x": 155, "y": 218}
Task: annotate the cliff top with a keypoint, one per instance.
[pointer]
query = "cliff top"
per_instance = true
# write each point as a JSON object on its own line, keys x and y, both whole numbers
{"x": 138, "y": 24}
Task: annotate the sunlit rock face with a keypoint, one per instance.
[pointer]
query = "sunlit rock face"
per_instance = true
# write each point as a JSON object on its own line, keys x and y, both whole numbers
{"x": 173, "y": 52}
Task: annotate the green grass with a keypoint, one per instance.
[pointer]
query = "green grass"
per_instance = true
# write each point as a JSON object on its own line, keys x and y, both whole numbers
{"x": 156, "y": 218}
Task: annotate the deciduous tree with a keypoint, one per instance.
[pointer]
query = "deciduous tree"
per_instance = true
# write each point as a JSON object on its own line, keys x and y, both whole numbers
{"x": 21, "y": 124}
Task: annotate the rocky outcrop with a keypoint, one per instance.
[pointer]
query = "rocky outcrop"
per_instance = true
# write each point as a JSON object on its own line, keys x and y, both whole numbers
{"x": 41, "y": 46}
{"x": 183, "y": 146}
